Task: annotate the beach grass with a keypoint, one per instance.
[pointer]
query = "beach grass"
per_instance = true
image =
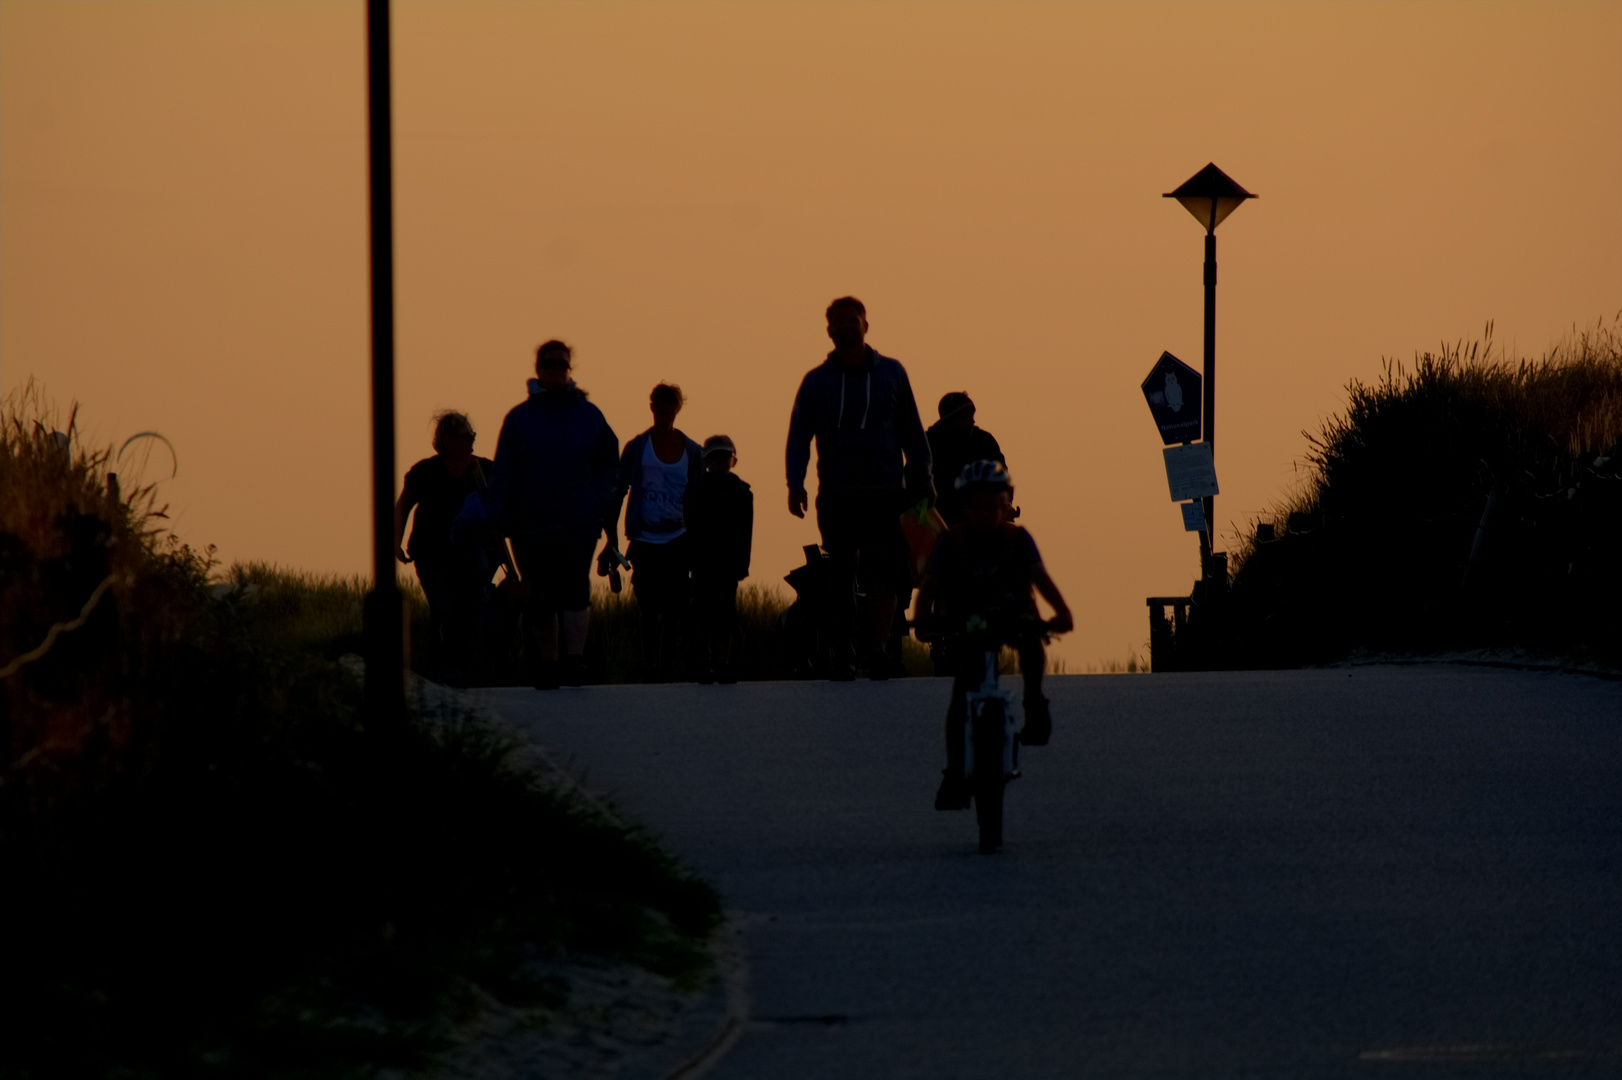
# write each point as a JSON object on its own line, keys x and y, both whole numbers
{"x": 1467, "y": 499}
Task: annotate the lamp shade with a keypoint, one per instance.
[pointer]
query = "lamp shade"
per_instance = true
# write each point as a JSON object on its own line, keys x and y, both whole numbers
{"x": 1210, "y": 195}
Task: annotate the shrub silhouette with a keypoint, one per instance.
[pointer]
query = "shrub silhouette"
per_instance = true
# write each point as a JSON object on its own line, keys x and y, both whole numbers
{"x": 1381, "y": 550}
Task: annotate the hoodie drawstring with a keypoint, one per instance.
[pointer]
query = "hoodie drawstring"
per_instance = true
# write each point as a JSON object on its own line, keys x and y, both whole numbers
{"x": 841, "y": 421}
{"x": 866, "y": 408}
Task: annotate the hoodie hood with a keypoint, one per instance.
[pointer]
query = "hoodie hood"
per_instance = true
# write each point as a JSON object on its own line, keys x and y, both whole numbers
{"x": 535, "y": 388}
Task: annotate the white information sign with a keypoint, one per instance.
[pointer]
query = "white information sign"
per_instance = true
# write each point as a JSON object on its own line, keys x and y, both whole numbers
{"x": 1193, "y": 517}
{"x": 1191, "y": 472}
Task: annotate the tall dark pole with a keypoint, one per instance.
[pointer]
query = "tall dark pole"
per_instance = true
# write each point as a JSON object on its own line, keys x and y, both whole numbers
{"x": 1208, "y": 537}
{"x": 385, "y": 625}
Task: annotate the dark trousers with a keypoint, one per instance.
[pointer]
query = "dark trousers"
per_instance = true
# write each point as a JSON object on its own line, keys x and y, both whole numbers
{"x": 715, "y": 622}
{"x": 663, "y": 589}
{"x": 455, "y": 600}
{"x": 861, "y": 532}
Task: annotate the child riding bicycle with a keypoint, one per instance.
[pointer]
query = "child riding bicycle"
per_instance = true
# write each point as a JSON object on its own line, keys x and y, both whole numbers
{"x": 977, "y": 594}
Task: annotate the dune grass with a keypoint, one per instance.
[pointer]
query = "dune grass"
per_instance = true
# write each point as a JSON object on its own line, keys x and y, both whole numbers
{"x": 1466, "y": 500}
{"x": 213, "y": 863}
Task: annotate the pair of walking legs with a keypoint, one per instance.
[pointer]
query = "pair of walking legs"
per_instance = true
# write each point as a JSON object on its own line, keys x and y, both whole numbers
{"x": 715, "y": 627}
{"x": 861, "y": 531}
{"x": 662, "y": 586}
{"x": 556, "y": 572}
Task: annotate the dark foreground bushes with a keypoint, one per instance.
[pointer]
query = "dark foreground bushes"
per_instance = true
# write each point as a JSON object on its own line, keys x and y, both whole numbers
{"x": 212, "y": 862}
{"x": 1468, "y": 501}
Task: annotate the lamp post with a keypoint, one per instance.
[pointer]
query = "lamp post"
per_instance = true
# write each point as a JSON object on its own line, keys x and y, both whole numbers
{"x": 1210, "y": 195}
{"x": 385, "y": 624}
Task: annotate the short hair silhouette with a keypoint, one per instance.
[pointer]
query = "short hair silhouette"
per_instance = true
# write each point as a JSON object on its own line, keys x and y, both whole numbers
{"x": 449, "y": 423}
{"x": 553, "y": 346}
{"x": 667, "y": 394}
{"x": 847, "y": 303}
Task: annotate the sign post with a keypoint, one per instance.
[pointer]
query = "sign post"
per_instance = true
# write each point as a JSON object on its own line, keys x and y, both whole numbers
{"x": 1175, "y": 393}
{"x": 1210, "y": 195}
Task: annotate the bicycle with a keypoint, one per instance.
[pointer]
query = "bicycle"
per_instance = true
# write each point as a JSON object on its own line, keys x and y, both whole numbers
{"x": 993, "y": 722}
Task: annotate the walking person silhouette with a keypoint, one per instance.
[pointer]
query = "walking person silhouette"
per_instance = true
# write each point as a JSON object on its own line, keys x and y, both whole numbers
{"x": 720, "y": 523}
{"x": 552, "y": 491}
{"x": 872, "y": 462}
{"x": 658, "y": 470}
{"x": 435, "y": 489}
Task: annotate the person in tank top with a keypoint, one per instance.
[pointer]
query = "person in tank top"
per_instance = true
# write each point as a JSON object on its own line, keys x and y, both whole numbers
{"x": 658, "y": 470}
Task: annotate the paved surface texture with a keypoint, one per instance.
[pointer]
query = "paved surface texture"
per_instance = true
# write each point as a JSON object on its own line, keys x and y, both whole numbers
{"x": 1411, "y": 871}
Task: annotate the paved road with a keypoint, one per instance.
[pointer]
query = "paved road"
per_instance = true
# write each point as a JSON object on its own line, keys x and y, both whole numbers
{"x": 1324, "y": 873}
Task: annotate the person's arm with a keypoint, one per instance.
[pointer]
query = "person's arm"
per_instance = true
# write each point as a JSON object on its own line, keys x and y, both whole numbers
{"x": 914, "y": 442}
{"x": 622, "y": 485}
{"x": 607, "y": 469}
{"x": 798, "y": 456}
{"x": 498, "y": 501}
{"x": 402, "y": 509}
{"x": 1062, "y": 622}
{"x": 748, "y": 533}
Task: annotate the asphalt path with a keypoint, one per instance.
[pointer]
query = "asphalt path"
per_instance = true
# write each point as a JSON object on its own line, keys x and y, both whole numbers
{"x": 1359, "y": 872}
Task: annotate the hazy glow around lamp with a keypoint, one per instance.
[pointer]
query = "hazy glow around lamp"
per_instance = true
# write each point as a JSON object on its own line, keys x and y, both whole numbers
{"x": 1210, "y": 195}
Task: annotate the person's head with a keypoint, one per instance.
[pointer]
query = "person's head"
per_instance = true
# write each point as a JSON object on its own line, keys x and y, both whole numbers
{"x": 553, "y": 362}
{"x": 720, "y": 456}
{"x": 957, "y": 411}
{"x": 847, "y": 322}
{"x": 453, "y": 434}
{"x": 666, "y": 401}
{"x": 988, "y": 494}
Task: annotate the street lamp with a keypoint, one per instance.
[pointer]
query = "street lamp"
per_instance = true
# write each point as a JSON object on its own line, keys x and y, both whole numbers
{"x": 1210, "y": 195}
{"x": 384, "y": 617}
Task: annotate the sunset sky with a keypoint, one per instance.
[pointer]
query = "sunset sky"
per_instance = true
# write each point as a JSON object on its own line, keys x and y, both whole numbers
{"x": 679, "y": 189}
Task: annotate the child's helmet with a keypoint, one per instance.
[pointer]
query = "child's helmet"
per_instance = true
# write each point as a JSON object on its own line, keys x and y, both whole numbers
{"x": 980, "y": 475}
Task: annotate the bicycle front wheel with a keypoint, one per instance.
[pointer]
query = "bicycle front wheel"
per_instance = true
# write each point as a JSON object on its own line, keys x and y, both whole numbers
{"x": 989, "y": 781}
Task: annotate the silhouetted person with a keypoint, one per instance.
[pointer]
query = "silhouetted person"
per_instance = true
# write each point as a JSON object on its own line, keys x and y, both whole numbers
{"x": 955, "y": 441}
{"x": 872, "y": 461}
{"x": 448, "y": 567}
{"x": 658, "y": 471}
{"x": 720, "y": 526}
{"x": 552, "y": 490}
{"x": 977, "y": 589}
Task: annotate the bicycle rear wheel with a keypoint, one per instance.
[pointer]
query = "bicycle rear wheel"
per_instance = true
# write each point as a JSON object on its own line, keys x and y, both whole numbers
{"x": 989, "y": 781}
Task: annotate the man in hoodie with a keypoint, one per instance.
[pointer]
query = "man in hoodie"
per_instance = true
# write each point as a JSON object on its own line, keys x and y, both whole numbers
{"x": 872, "y": 462}
{"x": 551, "y": 490}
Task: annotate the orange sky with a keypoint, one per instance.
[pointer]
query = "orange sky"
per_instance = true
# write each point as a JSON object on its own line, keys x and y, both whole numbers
{"x": 680, "y": 189}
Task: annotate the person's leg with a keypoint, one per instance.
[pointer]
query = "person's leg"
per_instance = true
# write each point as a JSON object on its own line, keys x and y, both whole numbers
{"x": 954, "y": 790}
{"x": 726, "y": 630}
{"x": 574, "y": 600}
{"x": 1038, "y": 719}
{"x": 650, "y": 586}
{"x": 678, "y": 606}
{"x": 883, "y": 566}
{"x": 432, "y": 577}
{"x": 841, "y": 542}
{"x": 535, "y": 557}
{"x": 462, "y": 623}
{"x": 702, "y": 628}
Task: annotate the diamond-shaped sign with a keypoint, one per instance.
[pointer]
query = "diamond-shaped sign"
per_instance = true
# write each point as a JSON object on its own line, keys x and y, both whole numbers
{"x": 1173, "y": 392}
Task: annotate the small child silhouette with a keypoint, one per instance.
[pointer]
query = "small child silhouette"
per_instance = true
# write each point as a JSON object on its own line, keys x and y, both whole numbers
{"x": 720, "y": 522}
